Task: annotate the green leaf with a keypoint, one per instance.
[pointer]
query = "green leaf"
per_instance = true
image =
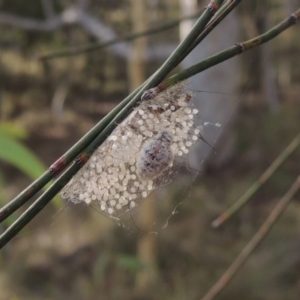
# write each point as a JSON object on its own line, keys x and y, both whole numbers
{"x": 12, "y": 130}
{"x": 15, "y": 153}
{"x": 19, "y": 156}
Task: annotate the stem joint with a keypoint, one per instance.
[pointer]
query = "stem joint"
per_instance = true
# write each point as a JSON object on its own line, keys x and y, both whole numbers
{"x": 295, "y": 17}
{"x": 212, "y": 6}
{"x": 242, "y": 47}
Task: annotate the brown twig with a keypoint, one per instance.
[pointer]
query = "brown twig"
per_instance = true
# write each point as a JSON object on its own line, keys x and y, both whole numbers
{"x": 258, "y": 183}
{"x": 80, "y": 49}
{"x": 254, "y": 242}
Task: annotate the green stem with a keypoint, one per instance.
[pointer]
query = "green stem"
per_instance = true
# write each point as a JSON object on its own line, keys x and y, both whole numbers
{"x": 224, "y": 10}
{"x": 184, "y": 47}
{"x": 24, "y": 196}
{"x": 233, "y": 51}
{"x": 37, "y": 206}
{"x": 61, "y": 163}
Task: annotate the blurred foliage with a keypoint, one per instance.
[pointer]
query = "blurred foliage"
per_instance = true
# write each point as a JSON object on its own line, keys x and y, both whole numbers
{"x": 13, "y": 152}
{"x": 16, "y": 154}
{"x": 32, "y": 9}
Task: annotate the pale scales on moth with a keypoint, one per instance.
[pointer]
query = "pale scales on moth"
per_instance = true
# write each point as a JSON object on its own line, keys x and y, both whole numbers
{"x": 139, "y": 155}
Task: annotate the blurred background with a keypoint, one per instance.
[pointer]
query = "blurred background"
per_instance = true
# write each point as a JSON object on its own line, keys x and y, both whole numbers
{"x": 72, "y": 251}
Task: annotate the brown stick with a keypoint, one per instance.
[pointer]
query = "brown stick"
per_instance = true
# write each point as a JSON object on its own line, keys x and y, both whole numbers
{"x": 254, "y": 242}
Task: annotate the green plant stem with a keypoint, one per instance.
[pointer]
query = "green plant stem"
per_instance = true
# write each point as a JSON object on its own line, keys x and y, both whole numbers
{"x": 258, "y": 184}
{"x": 233, "y": 51}
{"x": 127, "y": 38}
{"x": 23, "y": 197}
{"x": 38, "y": 205}
{"x": 60, "y": 164}
{"x": 170, "y": 63}
{"x": 224, "y": 10}
{"x": 254, "y": 242}
{"x": 184, "y": 47}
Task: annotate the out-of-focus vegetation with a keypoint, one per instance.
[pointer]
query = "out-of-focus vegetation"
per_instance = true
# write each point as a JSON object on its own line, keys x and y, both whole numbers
{"x": 76, "y": 253}
{"x": 13, "y": 152}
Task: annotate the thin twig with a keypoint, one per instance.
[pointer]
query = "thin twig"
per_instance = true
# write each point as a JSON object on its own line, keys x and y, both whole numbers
{"x": 233, "y": 51}
{"x": 100, "y": 45}
{"x": 37, "y": 206}
{"x": 57, "y": 167}
{"x": 48, "y": 8}
{"x": 222, "y": 12}
{"x": 254, "y": 242}
{"x": 258, "y": 183}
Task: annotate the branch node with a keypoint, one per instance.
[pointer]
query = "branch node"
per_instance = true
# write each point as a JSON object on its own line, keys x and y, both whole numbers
{"x": 58, "y": 166}
{"x": 241, "y": 46}
{"x": 212, "y": 7}
{"x": 81, "y": 159}
{"x": 295, "y": 17}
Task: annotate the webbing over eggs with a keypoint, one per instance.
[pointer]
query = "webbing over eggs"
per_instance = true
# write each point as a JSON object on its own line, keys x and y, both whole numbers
{"x": 139, "y": 155}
